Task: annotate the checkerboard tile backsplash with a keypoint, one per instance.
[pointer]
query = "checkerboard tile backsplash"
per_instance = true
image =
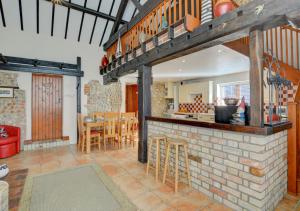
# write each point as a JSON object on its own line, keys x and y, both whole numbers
{"x": 198, "y": 106}
{"x": 287, "y": 95}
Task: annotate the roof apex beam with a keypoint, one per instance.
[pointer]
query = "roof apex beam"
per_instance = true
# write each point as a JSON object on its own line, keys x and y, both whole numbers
{"x": 137, "y": 4}
{"x": 88, "y": 11}
{"x": 145, "y": 10}
{"x": 120, "y": 14}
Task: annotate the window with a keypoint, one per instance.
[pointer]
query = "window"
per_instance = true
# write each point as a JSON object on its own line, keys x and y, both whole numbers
{"x": 234, "y": 90}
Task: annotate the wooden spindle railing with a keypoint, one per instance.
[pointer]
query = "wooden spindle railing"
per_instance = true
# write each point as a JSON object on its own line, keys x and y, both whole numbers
{"x": 170, "y": 10}
{"x": 284, "y": 44}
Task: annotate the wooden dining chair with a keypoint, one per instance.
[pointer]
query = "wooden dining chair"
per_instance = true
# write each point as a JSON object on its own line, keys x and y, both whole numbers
{"x": 95, "y": 135}
{"x": 111, "y": 128}
{"x": 127, "y": 130}
{"x": 96, "y": 115}
{"x": 128, "y": 115}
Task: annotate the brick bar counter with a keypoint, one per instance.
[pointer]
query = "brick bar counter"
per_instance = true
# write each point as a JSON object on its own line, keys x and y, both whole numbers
{"x": 242, "y": 167}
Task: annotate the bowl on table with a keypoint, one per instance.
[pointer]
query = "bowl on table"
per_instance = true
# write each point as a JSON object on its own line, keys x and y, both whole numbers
{"x": 231, "y": 101}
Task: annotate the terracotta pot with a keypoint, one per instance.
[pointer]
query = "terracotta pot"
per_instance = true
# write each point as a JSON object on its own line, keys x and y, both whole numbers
{"x": 222, "y": 7}
{"x": 104, "y": 61}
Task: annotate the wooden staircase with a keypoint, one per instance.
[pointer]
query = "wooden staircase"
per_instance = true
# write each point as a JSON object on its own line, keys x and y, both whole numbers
{"x": 284, "y": 43}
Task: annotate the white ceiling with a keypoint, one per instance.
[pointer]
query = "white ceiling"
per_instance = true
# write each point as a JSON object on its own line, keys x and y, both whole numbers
{"x": 215, "y": 61}
{"x": 29, "y": 12}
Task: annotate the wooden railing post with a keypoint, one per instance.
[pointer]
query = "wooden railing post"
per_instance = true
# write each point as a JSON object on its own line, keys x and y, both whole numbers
{"x": 256, "y": 78}
{"x": 144, "y": 108}
{"x": 293, "y": 135}
{"x": 78, "y": 88}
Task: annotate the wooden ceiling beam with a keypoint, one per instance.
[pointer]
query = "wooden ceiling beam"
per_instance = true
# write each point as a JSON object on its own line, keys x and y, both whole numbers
{"x": 39, "y": 66}
{"x": 103, "y": 34}
{"x": 95, "y": 21}
{"x": 2, "y": 14}
{"x": 21, "y": 15}
{"x": 37, "y": 16}
{"x": 67, "y": 21}
{"x": 88, "y": 11}
{"x": 231, "y": 26}
{"x": 120, "y": 14}
{"x": 81, "y": 23}
{"x": 137, "y": 4}
{"x": 145, "y": 10}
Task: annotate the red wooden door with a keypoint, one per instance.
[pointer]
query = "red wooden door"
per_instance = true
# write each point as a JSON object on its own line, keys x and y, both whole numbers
{"x": 132, "y": 98}
{"x": 47, "y": 107}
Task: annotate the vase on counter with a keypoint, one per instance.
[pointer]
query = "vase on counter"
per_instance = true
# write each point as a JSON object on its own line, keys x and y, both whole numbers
{"x": 239, "y": 118}
{"x": 119, "y": 47}
{"x": 222, "y": 7}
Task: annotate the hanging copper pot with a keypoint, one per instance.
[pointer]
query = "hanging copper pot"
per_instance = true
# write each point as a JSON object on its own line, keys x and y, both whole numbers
{"x": 222, "y": 7}
{"x": 104, "y": 61}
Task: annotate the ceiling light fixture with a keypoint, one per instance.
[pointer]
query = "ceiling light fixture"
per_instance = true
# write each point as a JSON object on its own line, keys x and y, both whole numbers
{"x": 183, "y": 61}
{"x": 220, "y": 51}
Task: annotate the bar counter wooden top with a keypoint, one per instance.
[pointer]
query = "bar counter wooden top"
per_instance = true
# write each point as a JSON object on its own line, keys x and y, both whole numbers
{"x": 267, "y": 130}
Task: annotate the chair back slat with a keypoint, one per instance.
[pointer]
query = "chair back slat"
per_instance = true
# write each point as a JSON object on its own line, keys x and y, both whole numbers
{"x": 110, "y": 126}
{"x": 128, "y": 115}
{"x": 96, "y": 115}
{"x": 80, "y": 122}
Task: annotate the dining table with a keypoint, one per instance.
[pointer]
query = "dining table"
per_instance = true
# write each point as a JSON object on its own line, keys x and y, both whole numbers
{"x": 98, "y": 124}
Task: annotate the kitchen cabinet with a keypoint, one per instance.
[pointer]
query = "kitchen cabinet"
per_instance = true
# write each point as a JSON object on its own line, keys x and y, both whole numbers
{"x": 187, "y": 92}
{"x": 170, "y": 90}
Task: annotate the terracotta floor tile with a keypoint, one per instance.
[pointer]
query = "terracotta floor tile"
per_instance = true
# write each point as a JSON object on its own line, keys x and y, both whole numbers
{"x": 213, "y": 206}
{"x": 165, "y": 207}
{"x": 149, "y": 182}
{"x": 147, "y": 201}
{"x": 128, "y": 174}
{"x": 113, "y": 170}
{"x": 166, "y": 193}
{"x": 183, "y": 204}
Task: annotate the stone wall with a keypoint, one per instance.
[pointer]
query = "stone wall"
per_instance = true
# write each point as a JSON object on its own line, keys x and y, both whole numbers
{"x": 12, "y": 110}
{"x": 159, "y": 104}
{"x": 103, "y": 98}
{"x": 242, "y": 171}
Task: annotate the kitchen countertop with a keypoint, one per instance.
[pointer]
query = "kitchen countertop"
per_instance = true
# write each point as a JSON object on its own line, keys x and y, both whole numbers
{"x": 267, "y": 130}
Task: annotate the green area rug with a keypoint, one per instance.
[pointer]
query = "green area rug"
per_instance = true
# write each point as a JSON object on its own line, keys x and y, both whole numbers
{"x": 85, "y": 188}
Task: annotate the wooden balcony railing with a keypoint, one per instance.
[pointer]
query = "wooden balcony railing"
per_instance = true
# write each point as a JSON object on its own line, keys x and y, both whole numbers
{"x": 170, "y": 11}
{"x": 283, "y": 42}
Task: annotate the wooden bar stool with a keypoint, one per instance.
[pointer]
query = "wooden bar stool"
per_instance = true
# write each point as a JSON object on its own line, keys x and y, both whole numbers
{"x": 155, "y": 140}
{"x": 177, "y": 143}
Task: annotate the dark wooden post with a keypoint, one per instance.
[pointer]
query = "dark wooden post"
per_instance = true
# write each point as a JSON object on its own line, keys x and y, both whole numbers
{"x": 256, "y": 78}
{"x": 144, "y": 90}
{"x": 78, "y": 88}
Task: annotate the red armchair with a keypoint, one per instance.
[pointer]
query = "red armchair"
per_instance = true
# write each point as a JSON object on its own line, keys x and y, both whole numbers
{"x": 11, "y": 145}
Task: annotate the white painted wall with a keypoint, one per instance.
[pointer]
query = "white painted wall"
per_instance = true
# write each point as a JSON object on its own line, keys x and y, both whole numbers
{"x": 28, "y": 45}
{"x": 242, "y": 76}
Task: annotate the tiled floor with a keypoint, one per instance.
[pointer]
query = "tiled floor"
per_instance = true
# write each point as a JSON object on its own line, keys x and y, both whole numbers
{"x": 16, "y": 180}
{"x": 127, "y": 173}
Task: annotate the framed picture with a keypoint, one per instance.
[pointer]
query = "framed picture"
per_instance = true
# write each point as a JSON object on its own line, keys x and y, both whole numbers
{"x": 6, "y": 92}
